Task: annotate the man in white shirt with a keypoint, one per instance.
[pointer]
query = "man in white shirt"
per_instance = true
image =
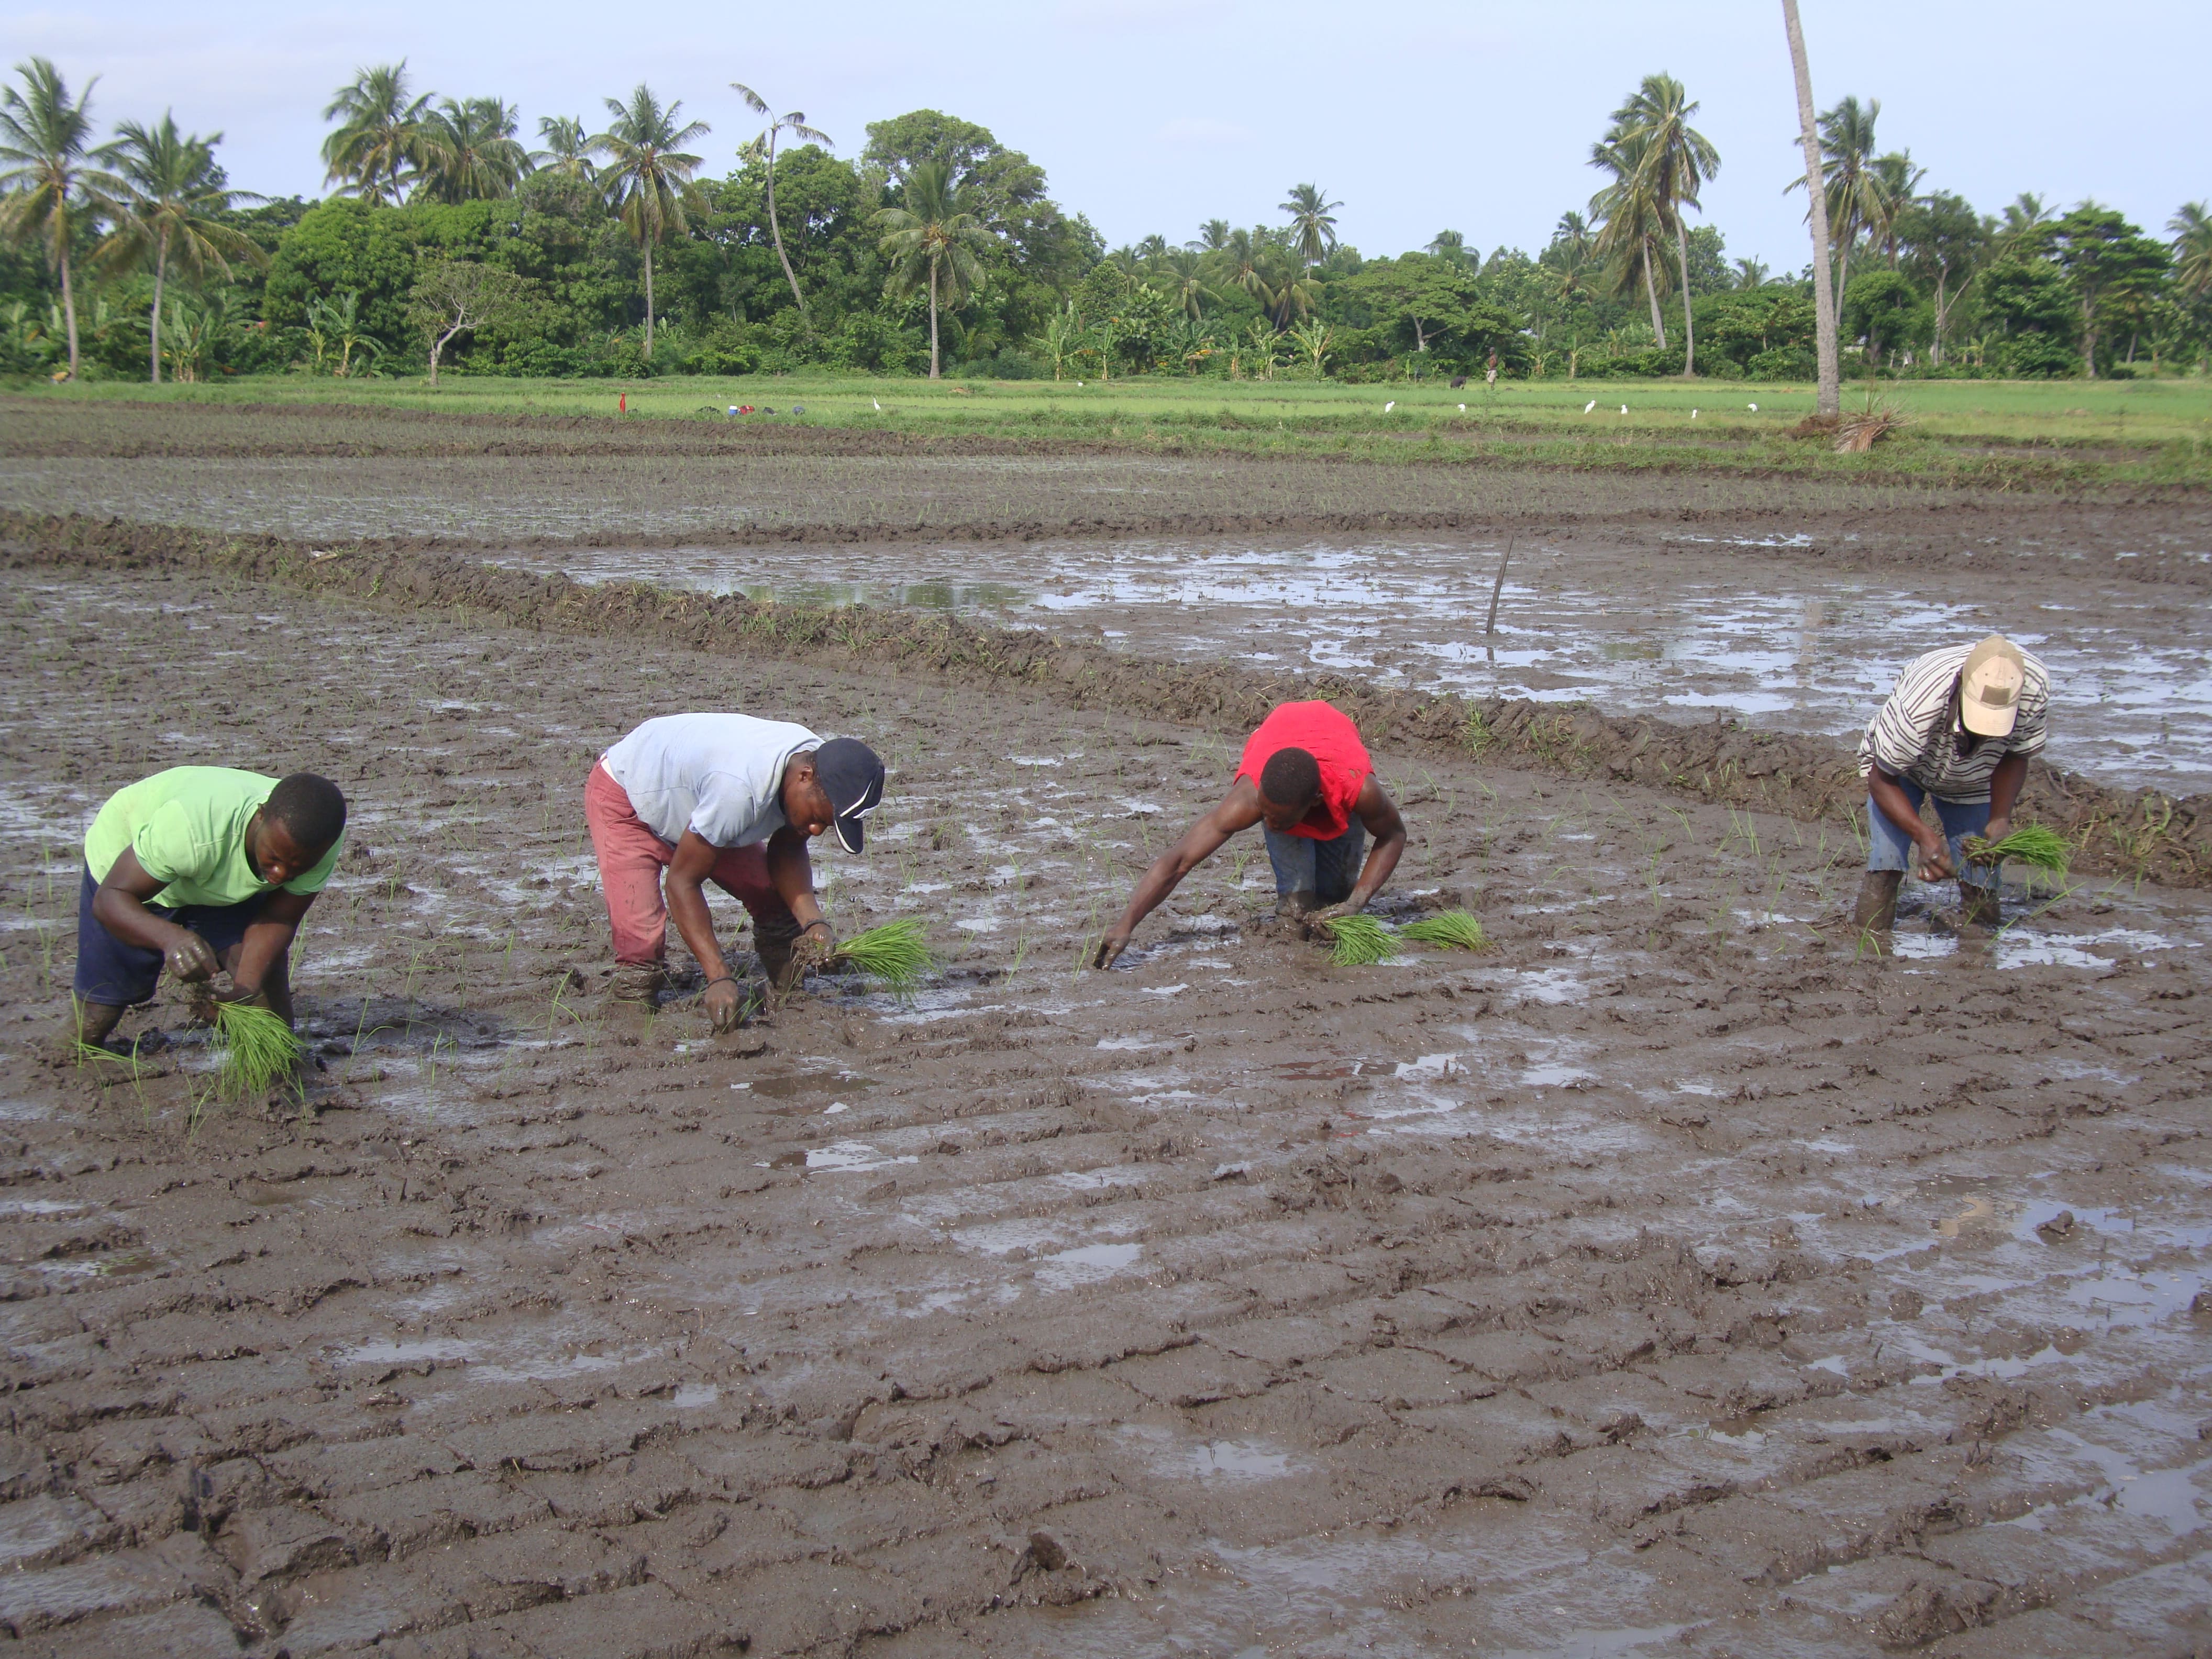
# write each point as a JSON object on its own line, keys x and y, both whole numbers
{"x": 731, "y": 800}
{"x": 1958, "y": 728}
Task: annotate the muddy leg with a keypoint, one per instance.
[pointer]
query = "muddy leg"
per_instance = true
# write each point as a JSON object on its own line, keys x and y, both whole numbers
{"x": 1292, "y": 906}
{"x": 94, "y": 1020}
{"x": 772, "y": 938}
{"x": 1876, "y": 909}
{"x": 637, "y": 981}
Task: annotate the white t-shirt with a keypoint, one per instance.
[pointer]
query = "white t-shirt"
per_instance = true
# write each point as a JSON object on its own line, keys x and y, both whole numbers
{"x": 721, "y": 775}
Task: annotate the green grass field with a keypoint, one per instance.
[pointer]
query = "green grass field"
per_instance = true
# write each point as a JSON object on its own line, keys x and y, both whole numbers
{"x": 2021, "y": 432}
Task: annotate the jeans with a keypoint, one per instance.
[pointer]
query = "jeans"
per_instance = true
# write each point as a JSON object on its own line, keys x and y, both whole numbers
{"x": 1889, "y": 848}
{"x": 1327, "y": 869}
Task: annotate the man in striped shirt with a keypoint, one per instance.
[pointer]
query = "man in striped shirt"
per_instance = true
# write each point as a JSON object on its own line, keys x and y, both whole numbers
{"x": 1958, "y": 728}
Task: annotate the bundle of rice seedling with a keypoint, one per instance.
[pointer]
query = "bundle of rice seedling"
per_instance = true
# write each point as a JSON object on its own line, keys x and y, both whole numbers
{"x": 1360, "y": 941}
{"x": 896, "y": 953}
{"x": 258, "y": 1049}
{"x": 2032, "y": 845}
{"x": 1454, "y": 928}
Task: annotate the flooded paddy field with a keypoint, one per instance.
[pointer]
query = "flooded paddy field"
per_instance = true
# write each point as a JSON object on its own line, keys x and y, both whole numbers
{"x": 1680, "y": 625}
{"x": 1676, "y": 1276}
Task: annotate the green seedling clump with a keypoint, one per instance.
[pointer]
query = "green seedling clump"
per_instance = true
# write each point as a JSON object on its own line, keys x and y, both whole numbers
{"x": 258, "y": 1049}
{"x": 1361, "y": 941}
{"x": 2034, "y": 845}
{"x": 896, "y": 953}
{"x": 1453, "y": 928}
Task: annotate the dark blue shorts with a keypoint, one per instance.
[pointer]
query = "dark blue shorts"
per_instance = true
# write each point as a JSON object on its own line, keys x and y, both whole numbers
{"x": 116, "y": 976}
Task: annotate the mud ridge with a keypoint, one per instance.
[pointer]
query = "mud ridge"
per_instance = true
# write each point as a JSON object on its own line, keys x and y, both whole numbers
{"x": 2141, "y": 832}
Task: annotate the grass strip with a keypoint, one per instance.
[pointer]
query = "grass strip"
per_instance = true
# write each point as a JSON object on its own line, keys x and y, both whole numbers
{"x": 258, "y": 1049}
{"x": 1361, "y": 941}
{"x": 1456, "y": 929}
{"x": 896, "y": 953}
{"x": 2032, "y": 845}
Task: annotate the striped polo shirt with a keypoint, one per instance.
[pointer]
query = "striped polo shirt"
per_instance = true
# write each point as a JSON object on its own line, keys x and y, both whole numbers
{"x": 1915, "y": 734}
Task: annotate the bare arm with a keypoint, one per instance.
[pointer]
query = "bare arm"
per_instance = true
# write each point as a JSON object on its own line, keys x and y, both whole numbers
{"x": 791, "y": 872}
{"x": 1380, "y": 814}
{"x": 1935, "y": 851}
{"x": 1239, "y": 810}
{"x": 2004, "y": 790}
{"x": 120, "y": 907}
{"x": 687, "y": 873}
{"x": 257, "y": 968}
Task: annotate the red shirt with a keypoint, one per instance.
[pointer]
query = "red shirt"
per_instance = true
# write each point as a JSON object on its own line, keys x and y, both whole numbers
{"x": 1333, "y": 740}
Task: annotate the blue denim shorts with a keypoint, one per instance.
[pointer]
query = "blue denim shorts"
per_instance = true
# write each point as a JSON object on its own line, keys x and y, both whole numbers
{"x": 118, "y": 975}
{"x": 1327, "y": 869}
{"x": 1889, "y": 848}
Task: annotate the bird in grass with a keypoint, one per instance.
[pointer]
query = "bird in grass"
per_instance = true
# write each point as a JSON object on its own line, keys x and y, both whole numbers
{"x": 1694, "y": 414}
{"x": 1754, "y": 409}
{"x": 1392, "y": 404}
{"x": 1589, "y": 406}
{"x": 1462, "y": 409}
{"x": 1624, "y": 409}
{"x": 879, "y": 408}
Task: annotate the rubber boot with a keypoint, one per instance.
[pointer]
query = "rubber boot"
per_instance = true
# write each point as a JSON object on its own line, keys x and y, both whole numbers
{"x": 1876, "y": 909}
{"x": 772, "y": 943}
{"x": 637, "y": 981}
{"x": 1978, "y": 906}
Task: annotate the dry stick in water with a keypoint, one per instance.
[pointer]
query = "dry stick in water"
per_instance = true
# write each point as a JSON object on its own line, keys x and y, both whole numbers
{"x": 1498, "y": 587}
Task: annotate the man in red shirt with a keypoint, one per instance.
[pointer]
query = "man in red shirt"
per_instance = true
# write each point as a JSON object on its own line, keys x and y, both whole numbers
{"x": 1305, "y": 776}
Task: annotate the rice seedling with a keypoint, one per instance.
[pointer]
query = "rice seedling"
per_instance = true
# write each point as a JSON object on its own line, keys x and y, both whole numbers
{"x": 1360, "y": 941}
{"x": 1456, "y": 929}
{"x": 258, "y": 1049}
{"x": 896, "y": 953}
{"x": 2032, "y": 845}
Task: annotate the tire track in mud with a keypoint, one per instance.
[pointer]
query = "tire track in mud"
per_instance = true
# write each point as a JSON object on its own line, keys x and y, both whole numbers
{"x": 1668, "y": 1268}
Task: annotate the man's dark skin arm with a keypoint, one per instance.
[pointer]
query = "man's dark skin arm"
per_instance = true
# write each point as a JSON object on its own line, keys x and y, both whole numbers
{"x": 1935, "y": 850}
{"x": 1240, "y": 809}
{"x": 807, "y": 808}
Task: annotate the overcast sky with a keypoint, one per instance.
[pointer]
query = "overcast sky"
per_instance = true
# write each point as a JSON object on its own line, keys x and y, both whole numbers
{"x": 1156, "y": 114}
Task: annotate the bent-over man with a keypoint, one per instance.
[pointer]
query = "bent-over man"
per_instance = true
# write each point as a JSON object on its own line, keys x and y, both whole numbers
{"x": 1959, "y": 726}
{"x": 1305, "y": 776}
{"x": 731, "y": 800}
{"x": 200, "y": 869}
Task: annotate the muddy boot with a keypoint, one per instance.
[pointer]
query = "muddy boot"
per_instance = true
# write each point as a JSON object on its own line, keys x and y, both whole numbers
{"x": 639, "y": 982}
{"x": 1978, "y": 906}
{"x": 1876, "y": 910}
{"x": 772, "y": 943}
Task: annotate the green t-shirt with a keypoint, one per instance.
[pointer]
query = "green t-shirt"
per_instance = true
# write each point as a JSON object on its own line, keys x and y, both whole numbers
{"x": 188, "y": 825}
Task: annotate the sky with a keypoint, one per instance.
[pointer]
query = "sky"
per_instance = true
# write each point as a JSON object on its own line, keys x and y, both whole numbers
{"x": 1156, "y": 115}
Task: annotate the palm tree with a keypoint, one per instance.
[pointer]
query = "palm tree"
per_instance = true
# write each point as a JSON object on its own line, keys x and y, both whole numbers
{"x": 1751, "y": 273}
{"x": 1186, "y": 282}
{"x": 1313, "y": 224}
{"x": 2026, "y": 224}
{"x": 1632, "y": 217}
{"x": 1858, "y": 199}
{"x": 170, "y": 186}
{"x": 1449, "y": 246}
{"x": 1680, "y": 159}
{"x": 648, "y": 176}
{"x": 46, "y": 182}
{"x": 1213, "y": 236}
{"x": 2192, "y": 251}
{"x": 764, "y": 146}
{"x": 1901, "y": 183}
{"x": 1829, "y": 398}
{"x": 1153, "y": 251}
{"x": 373, "y": 149}
{"x": 934, "y": 235}
{"x": 468, "y": 151}
{"x": 568, "y": 151}
{"x": 1237, "y": 261}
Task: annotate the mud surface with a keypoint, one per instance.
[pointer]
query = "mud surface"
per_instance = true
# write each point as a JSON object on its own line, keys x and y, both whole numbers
{"x": 1672, "y": 1277}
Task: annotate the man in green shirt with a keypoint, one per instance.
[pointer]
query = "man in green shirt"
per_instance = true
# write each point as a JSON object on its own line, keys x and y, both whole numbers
{"x": 200, "y": 868}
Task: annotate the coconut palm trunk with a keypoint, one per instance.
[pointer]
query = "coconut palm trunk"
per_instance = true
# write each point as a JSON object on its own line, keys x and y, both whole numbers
{"x": 1689, "y": 328}
{"x": 160, "y": 273}
{"x": 1830, "y": 398}
{"x": 933, "y": 317}
{"x": 1651, "y": 293}
{"x": 649, "y": 302}
{"x": 775, "y": 230}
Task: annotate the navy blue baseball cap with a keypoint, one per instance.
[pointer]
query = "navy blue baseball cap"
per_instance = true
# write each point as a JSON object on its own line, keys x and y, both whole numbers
{"x": 852, "y": 776}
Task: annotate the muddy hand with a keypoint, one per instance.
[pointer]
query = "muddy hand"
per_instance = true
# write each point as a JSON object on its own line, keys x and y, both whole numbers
{"x": 725, "y": 1005}
{"x": 1935, "y": 862}
{"x": 190, "y": 956}
{"x": 812, "y": 949}
{"x": 1109, "y": 947}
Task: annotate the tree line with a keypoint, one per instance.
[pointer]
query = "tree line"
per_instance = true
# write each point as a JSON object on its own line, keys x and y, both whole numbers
{"x": 608, "y": 247}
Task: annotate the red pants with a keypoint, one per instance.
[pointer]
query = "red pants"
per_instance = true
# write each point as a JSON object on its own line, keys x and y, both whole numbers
{"x": 631, "y": 857}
